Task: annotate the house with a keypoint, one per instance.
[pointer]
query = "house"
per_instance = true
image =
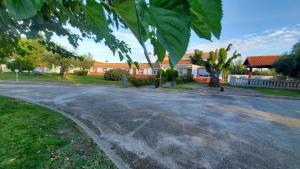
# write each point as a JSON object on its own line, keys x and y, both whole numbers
{"x": 144, "y": 70}
{"x": 184, "y": 66}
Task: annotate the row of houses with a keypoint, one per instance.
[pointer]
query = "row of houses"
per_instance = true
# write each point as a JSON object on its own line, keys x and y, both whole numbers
{"x": 184, "y": 66}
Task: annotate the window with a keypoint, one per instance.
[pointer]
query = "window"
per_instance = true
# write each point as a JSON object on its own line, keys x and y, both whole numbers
{"x": 203, "y": 73}
{"x": 141, "y": 71}
{"x": 180, "y": 72}
{"x": 104, "y": 69}
{"x": 155, "y": 71}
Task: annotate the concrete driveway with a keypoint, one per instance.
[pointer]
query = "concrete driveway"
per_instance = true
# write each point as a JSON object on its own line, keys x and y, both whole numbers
{"x": 143, "y": 128}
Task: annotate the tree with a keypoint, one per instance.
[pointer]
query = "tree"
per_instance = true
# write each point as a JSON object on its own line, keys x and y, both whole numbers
{"x": 85, "y": 62}
{"x": 29, "y": 55}
{"x": 65, "y": 63}
{"x": 216, "y": 62}
{"x": 167, "y": 24}
{"x": 289, "y": 64}
{"x": 22, "y": 64}
{"x": 237, "y": 68}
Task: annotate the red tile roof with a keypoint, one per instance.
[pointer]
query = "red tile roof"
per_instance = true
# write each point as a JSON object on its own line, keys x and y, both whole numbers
{"x": 261, "y": 61}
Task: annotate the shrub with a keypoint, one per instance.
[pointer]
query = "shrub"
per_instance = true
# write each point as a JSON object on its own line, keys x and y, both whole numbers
{"x": 80, "y": 72}
{"x": 137, "y": 82}
{"x": 188, "y": 77}
{"x": 171, "y": 75}
{"x": 161, "y": 71}
{"x": 150, "y": 81}
{"x": 36, "y": 73}
{"x": 115, "y": 74}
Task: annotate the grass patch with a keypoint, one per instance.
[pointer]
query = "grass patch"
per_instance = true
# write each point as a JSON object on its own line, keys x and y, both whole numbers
{"x": 32, "y": 136}
{"x": 184, "y": 86}
{"x": 90, "y": 79}
{"x": 271, "y": 91}
{"x": 276, "y": 92}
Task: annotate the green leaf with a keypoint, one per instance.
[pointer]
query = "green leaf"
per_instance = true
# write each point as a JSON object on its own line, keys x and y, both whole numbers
{"x": 129, "y": 64}
{"x": 126, "y": 9}
{"x": 96, "y": 20}
{"x": 24, "y": 9}
{"x": 159, "y": 50}
{"x": 136, "y": 65}
{"x": 120, "y": 55}
{"x": 206, "y": 17}
{"x": 172, "y": 29}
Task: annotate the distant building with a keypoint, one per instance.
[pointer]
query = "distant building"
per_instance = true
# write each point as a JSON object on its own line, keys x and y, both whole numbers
{"x": 261, "y": 61}
{"x": 184, "y": 66}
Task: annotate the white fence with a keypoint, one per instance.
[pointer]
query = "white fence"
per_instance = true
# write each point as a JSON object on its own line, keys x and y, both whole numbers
{"x": 286, "y": 84}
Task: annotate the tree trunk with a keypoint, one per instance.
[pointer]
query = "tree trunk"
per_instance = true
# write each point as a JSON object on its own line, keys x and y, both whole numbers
{"x": 65, "y": 75}
{"x": 160, "y": 75}
{"x": 214, "y": 80}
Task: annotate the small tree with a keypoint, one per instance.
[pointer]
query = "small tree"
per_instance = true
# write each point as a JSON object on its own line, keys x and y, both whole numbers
{"x": 237, "y": 68}
{"x": 85, "y": 62}
{"x": 65, "y": 63}
{"x": 29, "y": 55}
{"x": 22, "y": 64}
{"x": 289, "y": 65}
{"x": 216, "y": 62}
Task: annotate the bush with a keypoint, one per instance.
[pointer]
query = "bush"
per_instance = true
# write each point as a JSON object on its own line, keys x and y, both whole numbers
{"x": 150, "y": 81}
{"x": 169, "y": 74}
{"x": 188, "y": 77}
{"x": 137, "y": 82}
{"x": 270, "y": 72}
{"x": 160, "y": 71}
{"x": 37, "y": 73}
{"x": 80, "y": 72}
{"x": 115, "y": 74}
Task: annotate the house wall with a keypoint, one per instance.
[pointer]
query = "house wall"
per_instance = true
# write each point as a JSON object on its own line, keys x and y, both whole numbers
{"x": 4, "y": 68}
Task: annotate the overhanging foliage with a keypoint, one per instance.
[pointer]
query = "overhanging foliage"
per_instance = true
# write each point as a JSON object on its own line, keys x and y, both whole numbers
{"x": 166, "y": 23}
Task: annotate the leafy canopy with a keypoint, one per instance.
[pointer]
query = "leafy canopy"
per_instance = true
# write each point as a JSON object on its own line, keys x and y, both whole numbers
{"x": 216, "y": 63}
{"x": 167, "y": 24}
{"x": 289, "y": 65}
{"x": 28, "y": 57}
{"x": 218, "y": 60}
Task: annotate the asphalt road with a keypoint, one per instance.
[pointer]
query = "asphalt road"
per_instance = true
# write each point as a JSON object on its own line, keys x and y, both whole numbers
{"x": 144, "y": 128}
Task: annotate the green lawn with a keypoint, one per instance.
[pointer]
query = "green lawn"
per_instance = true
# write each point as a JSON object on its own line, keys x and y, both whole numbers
{"x": 32, "y": 136}
{"x": 183, "y": 86}
{"x": 90, "y": 79}
{"x": 266, "y": 91}
{"x": 275, "y": 92}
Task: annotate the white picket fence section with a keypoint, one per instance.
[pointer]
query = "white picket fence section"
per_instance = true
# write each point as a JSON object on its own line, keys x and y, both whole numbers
{"x": 270, "y": 83}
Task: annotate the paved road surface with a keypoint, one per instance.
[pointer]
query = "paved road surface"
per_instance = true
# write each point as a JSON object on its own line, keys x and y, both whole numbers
{"x": 143, "y": 128}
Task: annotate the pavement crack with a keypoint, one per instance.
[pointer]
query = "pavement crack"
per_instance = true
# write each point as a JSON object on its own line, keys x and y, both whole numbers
{"x": 143, "y": 124}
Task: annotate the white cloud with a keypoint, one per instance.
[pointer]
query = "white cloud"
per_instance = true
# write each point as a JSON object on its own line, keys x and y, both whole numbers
{"x": 272, "y": 41}
{"x": 276, "y": 41}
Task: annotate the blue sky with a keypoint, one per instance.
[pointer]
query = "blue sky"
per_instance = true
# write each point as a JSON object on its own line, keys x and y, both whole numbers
{"x": 255, "y": 27}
